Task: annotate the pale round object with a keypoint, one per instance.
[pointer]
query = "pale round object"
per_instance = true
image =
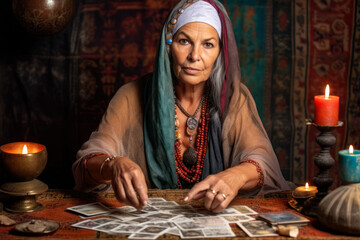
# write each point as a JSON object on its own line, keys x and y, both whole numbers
{"x": 340, "y": 209}
{"x": 37, "y": 227}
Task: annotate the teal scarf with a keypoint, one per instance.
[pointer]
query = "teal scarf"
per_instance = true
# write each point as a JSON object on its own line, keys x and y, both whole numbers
{"x": 159, "y": 113}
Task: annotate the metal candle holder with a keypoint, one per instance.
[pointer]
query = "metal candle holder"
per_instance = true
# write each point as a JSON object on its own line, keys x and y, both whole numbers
{"x": 20, "y": 171}
{"x": 324, "y": 161}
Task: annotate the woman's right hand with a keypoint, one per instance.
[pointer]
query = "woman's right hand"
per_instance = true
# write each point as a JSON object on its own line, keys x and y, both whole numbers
{"x": 128, "y": 182}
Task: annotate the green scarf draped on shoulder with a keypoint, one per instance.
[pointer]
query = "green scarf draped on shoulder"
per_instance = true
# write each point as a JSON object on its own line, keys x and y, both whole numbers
{"x": 159, "y": 113}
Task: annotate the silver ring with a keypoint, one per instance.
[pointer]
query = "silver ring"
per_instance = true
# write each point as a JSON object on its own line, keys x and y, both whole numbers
{"x": 224, "y": 196}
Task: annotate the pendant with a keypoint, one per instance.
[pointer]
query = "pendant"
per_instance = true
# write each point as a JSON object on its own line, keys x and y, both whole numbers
{"x": 192, "y": 122}
{"x": 190, "y": 132}
{"x": 190, "y": 157}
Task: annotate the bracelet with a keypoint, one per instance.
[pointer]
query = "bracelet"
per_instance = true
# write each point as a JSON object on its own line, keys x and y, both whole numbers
{"x": 258, "y": 170}
{"x": 108, "y": 159}
{"x": 86, "y": 158}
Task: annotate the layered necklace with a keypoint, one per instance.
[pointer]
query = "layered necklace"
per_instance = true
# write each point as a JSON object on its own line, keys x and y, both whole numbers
{"x": 189, "y": 166}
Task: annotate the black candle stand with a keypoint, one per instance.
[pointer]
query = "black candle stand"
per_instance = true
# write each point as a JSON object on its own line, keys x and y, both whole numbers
{"x": 324, "y": 161}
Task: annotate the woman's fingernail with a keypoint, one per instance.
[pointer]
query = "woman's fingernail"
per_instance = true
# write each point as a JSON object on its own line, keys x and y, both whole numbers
{"x": 186, "y": 198}
{"x": 145, "y": 203}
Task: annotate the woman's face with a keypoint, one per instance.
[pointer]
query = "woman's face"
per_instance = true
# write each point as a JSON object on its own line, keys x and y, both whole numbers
{"x": 194, "y": 50}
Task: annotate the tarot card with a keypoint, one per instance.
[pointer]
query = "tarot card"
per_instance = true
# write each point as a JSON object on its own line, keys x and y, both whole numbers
{"x": 182, "y": 211}
{"x": 103, "y": 220}
{"x": 181, "y": 219}
{"x": 162, "y": 224}
{"x": 238, "y": 218}
{"x": 138, "y": 213}
{"x": 150, "y": 209}
{"x": 122, "y": 216}
{"x": 153, "y": 230}
{"x": 228, "y": 211}
{"x": 189, "y": 225}
{"x": 162, "y": 215}
{"x": 91, "y": 217}
{"x": 90, "y": 209}
{"x": 283, "y": 217}
{"x": 143, "y": 236}
{"x": 125, "y": 209}
{"x": 210, "y": 222}
{"x": 126, "y": 229}
{"x": 173, "y": 231}
{"x": 192, "y": 233}
{"x": 107, "y": 227}
{"x": 141, "y": 220}
{"x": 178, "y": 207}
{"x": 155, "y": 200}
{"x": 166, "y": 203}
{"x": 257, "y": 229}
{"x": 243, "y": 209}
{"x": 192, "y": 215}
{"x": 219, "y": 232}
{"x": 87, "y": 224}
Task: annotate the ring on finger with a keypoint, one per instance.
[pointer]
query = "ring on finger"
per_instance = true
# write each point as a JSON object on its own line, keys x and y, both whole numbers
{"x": 224, "y": 196}
{"x": 212, "y": 191}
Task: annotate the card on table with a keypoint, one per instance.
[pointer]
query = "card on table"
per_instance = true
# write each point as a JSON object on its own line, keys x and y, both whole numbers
{"x": 197, "y": 233}
{"x": 284, "y": 217}
{"x": 218, "y": 232}
{"x": 238, "y": 218}
{"x": 87, "y": 224}
{"x": 257, "y": 229}
{"x": 243, "y": 209}
{"x": 90, "y": 209}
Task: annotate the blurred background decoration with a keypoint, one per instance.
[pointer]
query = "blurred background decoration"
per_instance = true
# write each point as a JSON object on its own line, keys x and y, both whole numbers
{"x": 43, "y": 16}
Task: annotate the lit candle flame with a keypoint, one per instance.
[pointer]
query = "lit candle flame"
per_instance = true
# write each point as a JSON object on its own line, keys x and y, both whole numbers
{"x": 306, "y": 186}
{"x": 327, "y": 91}
{"x": 25, "y": 150}
{"x": 351, "y": 149}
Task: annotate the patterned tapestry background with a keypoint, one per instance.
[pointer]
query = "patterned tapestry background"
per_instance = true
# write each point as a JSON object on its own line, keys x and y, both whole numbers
{"x": 54, "y": 89}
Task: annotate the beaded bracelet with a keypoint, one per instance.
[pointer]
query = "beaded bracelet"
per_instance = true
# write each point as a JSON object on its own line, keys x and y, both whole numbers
{"x": 108, "y": 159}
{"x": 258, "y": 169}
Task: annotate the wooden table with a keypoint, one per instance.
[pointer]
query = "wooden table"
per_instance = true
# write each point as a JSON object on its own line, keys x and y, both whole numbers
{"x": 55, "y": 203}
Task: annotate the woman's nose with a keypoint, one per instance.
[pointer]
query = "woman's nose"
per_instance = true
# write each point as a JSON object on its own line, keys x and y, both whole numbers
{"x": 194, "y": 54}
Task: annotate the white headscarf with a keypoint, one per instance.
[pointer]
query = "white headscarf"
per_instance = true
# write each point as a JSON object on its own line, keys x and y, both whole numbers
{"x": 199, "y": 12}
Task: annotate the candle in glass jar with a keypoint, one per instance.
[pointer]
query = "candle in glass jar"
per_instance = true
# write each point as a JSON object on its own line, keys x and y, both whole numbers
{"x": 350, "y": 165}
{"x": 326, "y": 109}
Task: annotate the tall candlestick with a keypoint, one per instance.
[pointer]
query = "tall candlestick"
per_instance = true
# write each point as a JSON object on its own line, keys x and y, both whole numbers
{"x": 324, "y": 161}
{"x": 326, "y": 109}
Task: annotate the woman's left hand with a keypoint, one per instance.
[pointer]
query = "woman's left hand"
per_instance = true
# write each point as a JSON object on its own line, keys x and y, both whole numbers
{"x": 221, "y": 188}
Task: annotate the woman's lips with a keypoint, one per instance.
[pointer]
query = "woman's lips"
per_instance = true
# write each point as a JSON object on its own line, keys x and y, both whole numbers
{"x": 191, "y": 71}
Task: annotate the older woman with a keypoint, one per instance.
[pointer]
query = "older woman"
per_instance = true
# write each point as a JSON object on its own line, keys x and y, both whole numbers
{"x": 189, "y": 124}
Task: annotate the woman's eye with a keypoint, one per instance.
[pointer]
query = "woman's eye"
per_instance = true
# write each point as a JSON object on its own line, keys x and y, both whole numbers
{"x": 183, "y": 41}
{"x": 209, "y": 45}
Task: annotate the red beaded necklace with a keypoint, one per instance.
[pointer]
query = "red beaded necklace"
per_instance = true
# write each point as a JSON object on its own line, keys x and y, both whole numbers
{"x": 192, "y": 174}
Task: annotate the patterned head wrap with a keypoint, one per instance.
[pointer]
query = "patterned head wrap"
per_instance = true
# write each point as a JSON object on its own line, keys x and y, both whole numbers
{"x": 199, "y": 12}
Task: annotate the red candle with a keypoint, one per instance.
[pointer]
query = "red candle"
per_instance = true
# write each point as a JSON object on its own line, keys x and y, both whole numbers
{"x": 326, "y": 109}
